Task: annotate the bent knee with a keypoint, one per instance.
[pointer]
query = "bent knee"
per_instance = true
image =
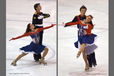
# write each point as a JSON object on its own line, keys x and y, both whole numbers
{"x": 46, "y": 49}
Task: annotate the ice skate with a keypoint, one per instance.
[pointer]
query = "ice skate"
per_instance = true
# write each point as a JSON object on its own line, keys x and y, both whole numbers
{"x": 86, "y": 67}
{"x": 14, "y": 63}
{"x": 79, "y": 52}
{"x": 42, "y": 61}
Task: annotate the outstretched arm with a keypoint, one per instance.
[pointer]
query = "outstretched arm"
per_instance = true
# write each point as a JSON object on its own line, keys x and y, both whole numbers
{"x": 46, "y": 15}
{"x": 41, "y": 29}
{"x": 71, "y": 23}
{"x": 26, "y": 34}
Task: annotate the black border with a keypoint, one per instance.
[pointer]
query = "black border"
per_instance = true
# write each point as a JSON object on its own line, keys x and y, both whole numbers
{"x": 2, "y": 37}
{"x": 111, "y": 37}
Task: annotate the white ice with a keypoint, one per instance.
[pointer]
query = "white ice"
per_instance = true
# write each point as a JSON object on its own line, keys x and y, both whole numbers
{"x": 18, "y": 14}
{"x": 68, "y": 64}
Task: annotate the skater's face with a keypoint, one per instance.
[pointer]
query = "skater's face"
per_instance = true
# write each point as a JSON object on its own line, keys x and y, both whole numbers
{"x": 38, "y": 8}
{"x": 83, "y": 11}
{"x": 89, "y": 18}
{"x": 31, "y": 26}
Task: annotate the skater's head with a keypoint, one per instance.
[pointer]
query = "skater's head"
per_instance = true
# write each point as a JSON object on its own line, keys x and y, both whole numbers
{"x": 83, "y": 10}
{"x": 37, "y": 7}
{"x": 89, "y": 18}
{"x": 29, "y": 28}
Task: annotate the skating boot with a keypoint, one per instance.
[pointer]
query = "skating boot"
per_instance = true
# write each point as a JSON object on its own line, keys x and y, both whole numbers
{"x": 14, "y": 63}
{"x": 42, "y": 61}
{"x": 86, "y": 67}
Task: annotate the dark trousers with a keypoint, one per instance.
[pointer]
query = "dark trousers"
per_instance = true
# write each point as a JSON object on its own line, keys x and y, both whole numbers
{"x": 92, "y": 60}
{"x": 38, "y": 56}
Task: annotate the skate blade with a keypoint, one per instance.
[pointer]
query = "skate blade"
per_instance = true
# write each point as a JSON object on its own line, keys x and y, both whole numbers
{"x": 43, "y": 63}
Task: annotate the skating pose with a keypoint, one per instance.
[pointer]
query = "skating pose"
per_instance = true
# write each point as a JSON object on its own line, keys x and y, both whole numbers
{"x": 85, "y": 38}
{"x": 37, "y": 20}
{"x": 90, "y": 57}
{"x": 34, "y": 46}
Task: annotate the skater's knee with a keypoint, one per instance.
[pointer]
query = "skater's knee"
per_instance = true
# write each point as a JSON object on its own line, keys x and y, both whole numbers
{"x": 24, "y": 53}
{"x": 46, "y": 49}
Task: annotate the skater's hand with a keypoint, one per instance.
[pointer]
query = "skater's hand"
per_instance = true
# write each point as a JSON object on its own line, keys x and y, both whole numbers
{"x": 12, "y": 39}
{"x": 53, "y": 25}
{"x": 65, "y": 24}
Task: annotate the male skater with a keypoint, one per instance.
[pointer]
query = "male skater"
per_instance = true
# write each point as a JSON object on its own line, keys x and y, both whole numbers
{"x": 38, "y": 21}
{"x": 91, "y": 58}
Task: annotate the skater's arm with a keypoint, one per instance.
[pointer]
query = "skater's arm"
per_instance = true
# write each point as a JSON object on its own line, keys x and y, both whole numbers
{"x": 74, "y": 20}
{"x": 26, "y": 34}
{"x": 72, "y": 23}
{"x": 41, "y": 29}
{"x": 46, "y": 15}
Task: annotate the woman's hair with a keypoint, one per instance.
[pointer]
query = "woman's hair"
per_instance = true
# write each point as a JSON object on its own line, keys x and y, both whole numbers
{"x": 28, "y": 28}
{"x": 91, "y": 16}
{"x": 91, "y": 21}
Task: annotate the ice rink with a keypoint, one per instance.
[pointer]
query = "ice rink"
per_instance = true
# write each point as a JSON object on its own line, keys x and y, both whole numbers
{"x": 68, "y": 64}
{"x": 18, "y": 14}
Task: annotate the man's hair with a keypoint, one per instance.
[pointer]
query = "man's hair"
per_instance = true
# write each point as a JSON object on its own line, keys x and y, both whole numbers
{"x": 36, "y": 5}
{"x": 83, "y": 7}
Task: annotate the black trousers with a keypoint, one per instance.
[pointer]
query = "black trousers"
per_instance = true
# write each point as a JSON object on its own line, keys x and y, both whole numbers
{"x": 91, "y": 59}
{"x": 38, "y": 56}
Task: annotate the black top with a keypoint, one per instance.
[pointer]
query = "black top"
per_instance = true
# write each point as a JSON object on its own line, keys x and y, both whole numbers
{"x": 38, "y": 18}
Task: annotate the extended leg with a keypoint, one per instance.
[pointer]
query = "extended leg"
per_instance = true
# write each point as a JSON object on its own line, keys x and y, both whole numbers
{"x": 85, "y": 60}
{"x": 81, "y": 49}
{"x": 19, "y": 57}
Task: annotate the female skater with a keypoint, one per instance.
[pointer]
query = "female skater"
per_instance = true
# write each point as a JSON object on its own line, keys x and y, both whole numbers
{"x": 34, "y": 45}
{"x": 85, "y": 38}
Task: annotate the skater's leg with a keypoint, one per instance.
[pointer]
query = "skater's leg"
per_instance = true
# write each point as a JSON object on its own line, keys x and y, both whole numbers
{"x": 93, "y": 59}
{"x": 38, "y": 56}
{"x": 85, "y": 60}
{"x": 41, "y": 37}
{"x": 19, "y": 57}
{"x": 89, "y": 60}
{"x": 43, "y": 56}
{"x": 81, "y": 49}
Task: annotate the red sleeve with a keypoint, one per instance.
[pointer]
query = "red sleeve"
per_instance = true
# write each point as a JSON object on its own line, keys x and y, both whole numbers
{"x": 41, "y": 29}
{"x": 72, "y": 23}
{"x": 89, "y": 29}
{"x": 26, "y": 34}
{"x": 89, "y": 26}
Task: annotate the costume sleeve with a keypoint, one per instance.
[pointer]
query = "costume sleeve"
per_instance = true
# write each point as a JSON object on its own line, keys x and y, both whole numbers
{"x": 46, "y": 15}
{"x": 41, "y": 29}
{"x": 72, "y": 23}
{"x": 75, "y": 19}
{"x": 26, "y": 34}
